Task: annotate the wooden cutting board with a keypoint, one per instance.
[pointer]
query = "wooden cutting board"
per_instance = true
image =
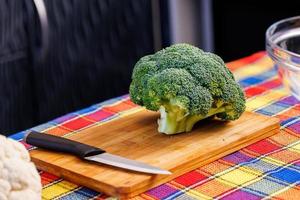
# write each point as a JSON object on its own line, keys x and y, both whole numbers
{"x": 135, "y": 136}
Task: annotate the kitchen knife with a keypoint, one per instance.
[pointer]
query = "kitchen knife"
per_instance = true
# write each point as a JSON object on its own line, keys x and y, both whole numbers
{"x": 87, "y": 152}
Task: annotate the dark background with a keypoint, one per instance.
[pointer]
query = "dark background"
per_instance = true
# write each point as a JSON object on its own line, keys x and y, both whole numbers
{"x": 240, "y": 26}
{"x": 93, "y": 46}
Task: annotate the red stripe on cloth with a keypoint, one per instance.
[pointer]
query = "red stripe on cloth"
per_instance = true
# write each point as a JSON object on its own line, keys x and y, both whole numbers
{"x": 77, "y": 124}
{"x": 190, "y": 178}
{"x": 27, "y": 146}
{"x": 129, "y": 102}
{"x": 271, "y": 84}
{"x": 259, "y": 89}
{"x": 47, "y": 178}
{"x": 246, "y": 60}
{"x": 263, "y": 147}
{"x": 250, "y": 92}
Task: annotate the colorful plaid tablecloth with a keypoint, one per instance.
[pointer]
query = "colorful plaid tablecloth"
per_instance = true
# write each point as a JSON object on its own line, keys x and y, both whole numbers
{"x": 268, "y": 169}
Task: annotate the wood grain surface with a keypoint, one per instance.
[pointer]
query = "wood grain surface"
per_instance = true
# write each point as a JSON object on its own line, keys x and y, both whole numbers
{"x": 135, "y": 136}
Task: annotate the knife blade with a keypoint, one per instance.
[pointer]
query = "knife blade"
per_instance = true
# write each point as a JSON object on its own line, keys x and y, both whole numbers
{"x": 88, "y": 152}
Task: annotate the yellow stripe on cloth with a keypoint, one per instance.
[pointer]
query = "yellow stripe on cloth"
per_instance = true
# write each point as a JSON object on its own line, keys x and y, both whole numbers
{"x": 295, "y": 148}
{"x": 58, "y": 189}
{"x": 273, "y": 161}
{"x": 265, "y": 99}
{"x": 197, "y": 195}
{"x": 258, "y": 67}
{"x": 239, "y": 177}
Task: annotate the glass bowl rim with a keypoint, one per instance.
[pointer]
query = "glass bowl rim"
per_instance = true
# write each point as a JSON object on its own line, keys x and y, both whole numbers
{"x": 269, "y": 34}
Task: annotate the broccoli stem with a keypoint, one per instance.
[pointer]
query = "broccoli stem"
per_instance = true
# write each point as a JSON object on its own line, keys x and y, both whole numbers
{"x": 193, "y": 119}
{"x": 171, "y": 120}
{"x": 174, "y": 119}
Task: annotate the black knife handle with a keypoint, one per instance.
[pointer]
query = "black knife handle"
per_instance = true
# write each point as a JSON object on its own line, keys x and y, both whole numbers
{"x": 60, "y": 144}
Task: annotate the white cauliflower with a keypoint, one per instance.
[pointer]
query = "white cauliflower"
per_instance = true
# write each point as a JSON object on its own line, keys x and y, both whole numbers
{"x": 19, "y": 179}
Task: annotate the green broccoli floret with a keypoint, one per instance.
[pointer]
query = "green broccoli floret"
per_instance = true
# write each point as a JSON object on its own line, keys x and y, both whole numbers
{"x": 185, "y": 85}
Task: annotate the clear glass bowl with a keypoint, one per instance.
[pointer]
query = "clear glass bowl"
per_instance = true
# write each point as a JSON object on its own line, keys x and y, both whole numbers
{"x": 283, "y": 46}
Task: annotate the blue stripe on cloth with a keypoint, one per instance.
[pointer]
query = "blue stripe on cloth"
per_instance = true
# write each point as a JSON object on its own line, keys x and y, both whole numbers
{"x": 262, "y": 166}
{"x": 295, "y": 59}
{"x": 250, "y": 81}
{"x": 283, "y": 123}
{"x": 273, "y": 108}
{"x": 82, "y": 194}
{"x": 17, "y": 136}
{"x": 253, "y": 80}
{"x": 43, "y": 126}
{"x": 263, "y": 187}
{"x": 286, "y": 175}
{"x": 85, "y": 111}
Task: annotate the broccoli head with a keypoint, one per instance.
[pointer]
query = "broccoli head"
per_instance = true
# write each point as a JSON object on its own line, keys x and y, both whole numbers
{"x": 185, "y": 84}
